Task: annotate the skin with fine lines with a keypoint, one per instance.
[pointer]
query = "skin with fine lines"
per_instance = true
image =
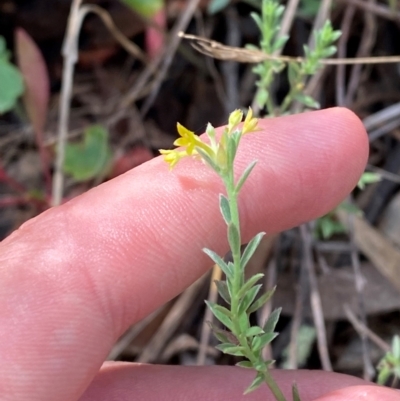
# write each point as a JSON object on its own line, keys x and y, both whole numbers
{"x": 73, "y": 279}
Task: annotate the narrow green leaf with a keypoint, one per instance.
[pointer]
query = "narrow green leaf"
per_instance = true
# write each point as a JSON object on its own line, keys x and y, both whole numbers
{"x": 225, "y": 209}
{"x": 280, "y": 43}
{"x": 230, "y": 349}
{"x": 244, "y": 323}
{"x": 295, "y": 393}
{"x": 262, "y": 97}
{"x": 222, "y": 314}
{"x": 244, "y": 176}
{"x": 307, "y": 101}
{"x": 257, "y": 20}
{"x": 254, "y": 331}
{"x": 249, "y": 283}
{"x": 384, "y": 375}
{"x": 294, "y": 72}
{"x": 248, "y": 298}
{"x": 272, "y": 320}
{"x": 223, "y": 335}
{"x": 368, "y": 178}
{"x": 250, "y": 249}
{"x": 208, "y": 160}
{"x": 233, "y": 236}
{"x": 226, "y": 268}
{"x": 223, "y": 290}
{"x": 396, "y": 347}
{"x": 261, "y": 301}
{"x": 255, "y": 384}
{"x": 232, "y": 145}
{"x": 259, "y": 342}
{"x": 245, "y": 364}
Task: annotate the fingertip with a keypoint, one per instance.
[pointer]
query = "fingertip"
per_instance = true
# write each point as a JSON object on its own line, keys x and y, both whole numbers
{"x": 362, "y": 393}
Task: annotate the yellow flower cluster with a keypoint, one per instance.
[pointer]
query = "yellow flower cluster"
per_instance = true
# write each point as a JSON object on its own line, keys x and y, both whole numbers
{"x": 191, "y": 143}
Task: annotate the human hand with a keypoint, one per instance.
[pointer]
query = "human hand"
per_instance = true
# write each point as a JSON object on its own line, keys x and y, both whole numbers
{"x": 73, "y": 279}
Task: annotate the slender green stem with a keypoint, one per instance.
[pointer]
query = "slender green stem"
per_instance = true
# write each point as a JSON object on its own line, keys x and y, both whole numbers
{"x": 237, "y": 283}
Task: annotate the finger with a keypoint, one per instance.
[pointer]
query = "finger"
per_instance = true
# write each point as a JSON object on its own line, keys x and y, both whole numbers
{"x": 126, "y": 382}
{"x": 362, "y": 393}
{"x": 74, "y": 278}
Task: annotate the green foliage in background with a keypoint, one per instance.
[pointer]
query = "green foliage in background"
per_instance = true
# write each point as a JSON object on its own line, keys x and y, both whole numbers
{"x": 269, "y": 23}
{"x": 389, "y": 366}
{"x": 145, "y": 8}
{"x": 306, "y": 337}
{"x": 91, "y": 157}
{"x": 215, "y": 6}
{"x": 11, "y": 82}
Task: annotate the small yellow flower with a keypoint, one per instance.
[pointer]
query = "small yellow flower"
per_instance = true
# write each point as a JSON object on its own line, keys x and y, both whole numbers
{"x": 250, "y": 124}
{"x": 234, "y": 119}
{"x": 173, "y": 156}
{"x": 188, "y": 139}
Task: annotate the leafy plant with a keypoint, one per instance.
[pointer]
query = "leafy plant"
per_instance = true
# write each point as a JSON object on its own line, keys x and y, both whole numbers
{"x": 243, "y": 339}
{"x": 390, "y": 364}
{"x": 11, "y": 82}
{"x": 269, "y": 22}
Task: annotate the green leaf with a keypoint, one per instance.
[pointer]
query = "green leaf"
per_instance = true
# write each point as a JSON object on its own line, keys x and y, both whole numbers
{"x": 244, "y": 176}
{"x": 89, "y": 158}
{"x": 245, "y": 364}
{"x": 230, "y": 349}
{"x": 295, "y": 393}
{"x": 249, "y": 283}
{"x": 208, "y": 160}
{"x": 223, "y": 290}
{"x": 272, "y": 320}
{"x": 368, "y": 178}
{"x": 226, "y": 268}
{"x": 396, "y": 347}
{"x": 257, "y": 19}
{"x": 222, "y": 314}
{"x": 233, "y": 236}
{"x": 248, "y": 299}
{"x": 261, "y": 301}
{"x": 279, "y": 43}
{"x": 146, "y": 8}
{"x": 261, "y": 341}
{"x": 4, "y": 55}
{"x": 215, "y": 6}
{"x": 384, "y": 375}
{"x": 294, "y": 72}
{"x": 11, "y": 81}
{"x": 305, "y": 340}
{"x": 307, "y": 101}
{"x": 262, "y": 97}
{"x": 254, "y": 331}
{"x": 232, "y": 146}
{"x": 225, "y": 208}
{"x": 250, "y": 249}
{"x": 244, "y": 323}
{"x": 255, "y": 383}
{"x": 327, "y": 226}
{"x": 223, "y": 335}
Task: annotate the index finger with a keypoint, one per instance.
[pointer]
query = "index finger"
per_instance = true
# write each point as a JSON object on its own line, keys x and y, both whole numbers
{"x": 74, "y": 278}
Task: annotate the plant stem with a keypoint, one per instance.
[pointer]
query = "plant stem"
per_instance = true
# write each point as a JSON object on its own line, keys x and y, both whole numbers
{"x": 238, "y": 279}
